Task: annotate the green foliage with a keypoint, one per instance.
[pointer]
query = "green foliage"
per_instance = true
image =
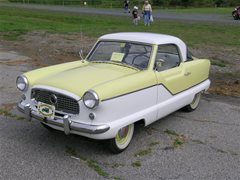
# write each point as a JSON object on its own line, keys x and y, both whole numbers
{"x": 143, "y": 152}
{"x": 91, "y": 163}
{"x": 71, "y": 151}
{"x": 178, "y": 139}
{"x": 154, "y": 143}
{"x": 171, "y": 132}
{"x": 223, "y": 11}
{"x": 178, "y": 142}
{"x": 95, "y": 165}
{"x": 136, "y": 164}
{"x": 117, "y": 165}
{"x": 119, "y": 4}
{"x": 6, "y": 113}
{"x": 218, "y": 63}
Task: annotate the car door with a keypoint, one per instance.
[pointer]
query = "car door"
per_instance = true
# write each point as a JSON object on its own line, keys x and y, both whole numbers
{"x": 171, "y": 75}
{"x": 169, "y": 69}
{"x": 174, "y": 77}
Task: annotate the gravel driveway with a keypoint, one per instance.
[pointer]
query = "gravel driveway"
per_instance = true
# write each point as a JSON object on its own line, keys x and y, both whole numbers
{"x": 203, "y": 144}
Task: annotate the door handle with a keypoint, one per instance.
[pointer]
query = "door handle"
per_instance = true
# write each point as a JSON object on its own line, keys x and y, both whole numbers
{"x": 187, "y": 73}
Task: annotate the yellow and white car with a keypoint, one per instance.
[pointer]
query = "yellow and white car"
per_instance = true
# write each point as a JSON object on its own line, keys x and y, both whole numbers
{"x": 126, "y": 78}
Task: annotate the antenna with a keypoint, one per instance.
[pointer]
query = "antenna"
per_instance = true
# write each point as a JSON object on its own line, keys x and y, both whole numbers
{"x": 81, "y": 47}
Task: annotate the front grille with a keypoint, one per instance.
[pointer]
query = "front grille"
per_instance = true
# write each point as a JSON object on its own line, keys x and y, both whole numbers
{"x": 64, "y": 103}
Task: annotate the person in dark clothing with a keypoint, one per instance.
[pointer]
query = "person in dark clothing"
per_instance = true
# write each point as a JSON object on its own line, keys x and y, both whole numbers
{"x": 126, "y": 6}
{"x": 135, "y": 15}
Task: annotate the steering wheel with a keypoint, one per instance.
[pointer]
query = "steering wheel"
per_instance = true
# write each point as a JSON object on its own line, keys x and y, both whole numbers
{"x": 137, "y": 56}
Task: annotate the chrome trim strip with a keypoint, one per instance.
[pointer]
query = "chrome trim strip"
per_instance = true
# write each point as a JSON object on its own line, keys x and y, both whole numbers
{"x": 129, "y": 93}
{"x": 64, "y": 123}
{"x": 161, "y": 84}
{"x": 92, "y": 129}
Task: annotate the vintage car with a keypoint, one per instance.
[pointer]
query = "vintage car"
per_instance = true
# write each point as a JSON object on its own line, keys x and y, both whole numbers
{"x": 126, "y": 78}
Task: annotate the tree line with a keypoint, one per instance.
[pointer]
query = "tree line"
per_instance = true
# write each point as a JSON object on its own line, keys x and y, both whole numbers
{"x": 196, "y": 3}
{"x": 155, "y": 3}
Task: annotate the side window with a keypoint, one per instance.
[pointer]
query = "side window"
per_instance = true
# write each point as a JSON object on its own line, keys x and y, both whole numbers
{"x": 167, "y": 57}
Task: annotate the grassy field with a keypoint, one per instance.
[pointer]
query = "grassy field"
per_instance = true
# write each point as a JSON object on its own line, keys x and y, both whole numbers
{"x": 15, "y": 22}
{"x": 222, "y": 11}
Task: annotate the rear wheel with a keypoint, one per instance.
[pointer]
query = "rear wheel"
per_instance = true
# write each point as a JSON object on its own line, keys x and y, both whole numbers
{"x": 194, "y": 104}
{"x": 122, "y": 139}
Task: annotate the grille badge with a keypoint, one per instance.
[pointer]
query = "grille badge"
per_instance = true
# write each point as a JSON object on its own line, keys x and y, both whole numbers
{"x": 53, "y": 99}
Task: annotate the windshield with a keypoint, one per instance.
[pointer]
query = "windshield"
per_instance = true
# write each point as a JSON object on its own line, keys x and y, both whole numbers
{"x": 128, "y": 53}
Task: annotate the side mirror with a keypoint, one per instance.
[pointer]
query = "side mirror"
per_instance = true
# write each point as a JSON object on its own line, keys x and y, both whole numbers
{"x": 81, "y": 54}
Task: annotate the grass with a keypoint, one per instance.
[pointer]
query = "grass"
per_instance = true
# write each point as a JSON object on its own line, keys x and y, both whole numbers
{"x": 95, "y": 165}
{"x": 178, "y": 139}
{"x": 136, "y": 164}
{"x": 143, "y": 152}
{"x": 206, "y": 10}
{"x": 178, "y": 142}
{"x": 7, "y": 113}
{"x": 171, "y": 132}
{"x": 220, "y": 63}
{"x": 117, "y": 165}
{"x": 17, "y": 21}
{"x": 90, "y": 163}
{"x": 71, "y": 151}
{"x": 154, "y": 143}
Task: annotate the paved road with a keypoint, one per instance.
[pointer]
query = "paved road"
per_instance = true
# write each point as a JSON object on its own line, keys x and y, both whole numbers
{"x": 210, "y": 149}
{"x": 118, "y": 12}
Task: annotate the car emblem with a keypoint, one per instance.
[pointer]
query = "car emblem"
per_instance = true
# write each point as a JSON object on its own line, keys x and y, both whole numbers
{"x": 53, "y": 99}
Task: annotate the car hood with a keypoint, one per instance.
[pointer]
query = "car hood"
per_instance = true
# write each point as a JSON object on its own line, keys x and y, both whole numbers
{"x": 80, "y": 78}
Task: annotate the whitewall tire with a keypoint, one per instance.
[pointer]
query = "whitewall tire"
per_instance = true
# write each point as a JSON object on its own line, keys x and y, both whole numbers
{"x": 194, "y": 104}
{"x": 122, "y": 139}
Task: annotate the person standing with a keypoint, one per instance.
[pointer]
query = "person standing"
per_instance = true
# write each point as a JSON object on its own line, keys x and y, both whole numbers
{"x": 135, "y": 15}
{"x": 126, "y": 6}
{"x": 147, "y": 12}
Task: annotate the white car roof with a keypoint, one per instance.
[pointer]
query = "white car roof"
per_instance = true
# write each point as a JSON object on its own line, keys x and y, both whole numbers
{"x": 149, "y": 38}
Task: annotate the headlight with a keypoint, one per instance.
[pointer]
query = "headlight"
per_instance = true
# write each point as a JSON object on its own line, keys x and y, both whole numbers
{"x": 22, "y": 83}
{"x": 90, "y": 99}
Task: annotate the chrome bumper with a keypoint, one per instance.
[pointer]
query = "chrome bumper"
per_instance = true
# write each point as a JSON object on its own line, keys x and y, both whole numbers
{"x": 64, "y": 122}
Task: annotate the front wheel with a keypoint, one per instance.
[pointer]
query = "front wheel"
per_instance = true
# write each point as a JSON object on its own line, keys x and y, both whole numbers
{"x": 194, "y": 104}
{"x": 122, "y": 139}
